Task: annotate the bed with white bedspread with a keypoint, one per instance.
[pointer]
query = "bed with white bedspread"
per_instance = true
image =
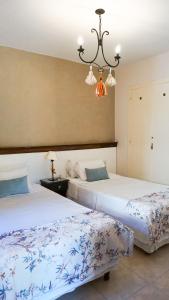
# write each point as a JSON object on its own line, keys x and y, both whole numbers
{"x": 49, "y": 245}
{"x": 142, "y": 205}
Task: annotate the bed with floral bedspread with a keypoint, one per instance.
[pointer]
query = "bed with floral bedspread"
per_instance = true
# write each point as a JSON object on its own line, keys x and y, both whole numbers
{"x": 153, "y": 210}
{"x": 141, "y": 205}
{"x": 46, "y": 261}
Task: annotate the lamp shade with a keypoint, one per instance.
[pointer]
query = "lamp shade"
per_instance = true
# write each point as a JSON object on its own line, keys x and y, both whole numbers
{"x": 101, "y": 88}
{"x": 90, "y": 79}
{"x": 51, "y": 155}
{"x": 110, "y": 81}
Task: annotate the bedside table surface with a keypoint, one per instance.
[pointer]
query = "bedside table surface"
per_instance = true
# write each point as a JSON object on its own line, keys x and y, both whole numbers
{"x": 59, "y": 180}
{"x": 59, "y": 185}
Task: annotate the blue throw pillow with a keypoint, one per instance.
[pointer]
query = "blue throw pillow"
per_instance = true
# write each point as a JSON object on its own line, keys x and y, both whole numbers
{"x": 96, "y": 174}
{"x": 14, "y": 186}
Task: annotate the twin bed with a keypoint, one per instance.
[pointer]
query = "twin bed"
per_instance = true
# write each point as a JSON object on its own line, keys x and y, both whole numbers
{"x": 50, "y": 245}
{"x": 141, "y": 205}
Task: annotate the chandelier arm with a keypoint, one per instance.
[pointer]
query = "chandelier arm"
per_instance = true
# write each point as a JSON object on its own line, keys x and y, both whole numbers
{"x": 116, "y": 58}
{"x": 91, "y": 61}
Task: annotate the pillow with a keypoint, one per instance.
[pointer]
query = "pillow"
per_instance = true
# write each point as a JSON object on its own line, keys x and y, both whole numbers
{"x": 91, "y": 164}
{"x": 12, "y": 173}
{"x": 71, "y": 169}
{"x": 96, "y": 174}
{"x": 68, "y": 168}
{"x": 11, "y": 164}
{"x": 14, "y": 186}
{"x": 75, "y": 172}
{"x": 14, "y": 170}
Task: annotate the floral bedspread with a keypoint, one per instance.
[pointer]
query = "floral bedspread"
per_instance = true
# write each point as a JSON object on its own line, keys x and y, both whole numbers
{"x": 154, "y": 210}
{"x": 36, "y": 263}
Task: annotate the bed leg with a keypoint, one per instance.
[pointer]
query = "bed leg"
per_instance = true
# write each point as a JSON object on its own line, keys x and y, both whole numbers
{"x": 107, "y": 276}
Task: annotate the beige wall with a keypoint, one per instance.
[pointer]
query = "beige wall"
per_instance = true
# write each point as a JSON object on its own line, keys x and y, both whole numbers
{"x": 44, "y": 101}
{"x": 152, "y": 69}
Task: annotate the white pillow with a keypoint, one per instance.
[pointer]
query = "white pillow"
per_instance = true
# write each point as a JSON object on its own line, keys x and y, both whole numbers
{"x": 13, "y": 171}
{"x": 12, "y": 174}
{"x": 71, "y": 169}
{"x": 91, "y": 164}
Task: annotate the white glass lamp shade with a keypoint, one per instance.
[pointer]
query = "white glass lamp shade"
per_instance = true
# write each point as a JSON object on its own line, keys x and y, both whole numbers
{"x": 118, "y": 49}
{"x": 110, "y": 81}
{"x": 51, "y": 155}
{"x": 91, "y": 79}
{"x": 80, "y": 41}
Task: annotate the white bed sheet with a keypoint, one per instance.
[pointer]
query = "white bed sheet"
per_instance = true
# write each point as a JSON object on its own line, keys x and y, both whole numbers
{"x": 38, "y": 207}
{"x": 112, "y": 197}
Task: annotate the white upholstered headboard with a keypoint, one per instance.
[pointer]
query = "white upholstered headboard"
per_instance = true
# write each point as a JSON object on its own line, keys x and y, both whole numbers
{"x": 39, "y": 168}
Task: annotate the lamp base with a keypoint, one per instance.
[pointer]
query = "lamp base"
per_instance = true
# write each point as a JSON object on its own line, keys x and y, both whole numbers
{"x": 54, "y": 179}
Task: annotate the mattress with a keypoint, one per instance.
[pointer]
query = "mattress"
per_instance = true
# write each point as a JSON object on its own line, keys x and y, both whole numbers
{"x": 142, "y": 205}
{"x": 49, "y": 245}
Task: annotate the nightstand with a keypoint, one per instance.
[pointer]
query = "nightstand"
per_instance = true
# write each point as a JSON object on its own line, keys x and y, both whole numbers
{"x": 59, "y": 185}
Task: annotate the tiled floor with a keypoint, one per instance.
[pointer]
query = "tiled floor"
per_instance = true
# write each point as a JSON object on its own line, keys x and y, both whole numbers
{"x": 140, "y": 277}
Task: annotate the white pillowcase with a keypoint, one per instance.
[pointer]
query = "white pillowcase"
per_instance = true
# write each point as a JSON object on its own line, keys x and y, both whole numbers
{"x": 13, "y": 171}
{"x": 91, "y": 164}
{"x": 69, "y": 169}
{"x": 12, "y": 174}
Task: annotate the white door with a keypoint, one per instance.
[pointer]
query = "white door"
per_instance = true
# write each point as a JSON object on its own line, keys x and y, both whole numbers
{"x": 160, "y": 132}
{"x": 148, "y": 133}
{"x": 139, "y": 133}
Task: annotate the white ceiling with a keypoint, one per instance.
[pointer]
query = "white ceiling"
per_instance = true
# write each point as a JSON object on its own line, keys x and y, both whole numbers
{"x": 52, "y": 26}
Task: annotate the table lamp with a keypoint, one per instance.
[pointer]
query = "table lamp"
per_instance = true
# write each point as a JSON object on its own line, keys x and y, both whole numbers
{"x": 51, "y": 155}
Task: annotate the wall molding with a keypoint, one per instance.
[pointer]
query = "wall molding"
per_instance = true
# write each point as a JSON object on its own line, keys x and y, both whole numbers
{"x": 17, "y": 150}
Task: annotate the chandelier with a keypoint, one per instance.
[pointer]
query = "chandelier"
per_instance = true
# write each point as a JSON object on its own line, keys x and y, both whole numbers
{"x": 101, "y": 87}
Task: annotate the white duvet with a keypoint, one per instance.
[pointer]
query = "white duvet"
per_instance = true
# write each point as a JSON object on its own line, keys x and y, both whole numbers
{"x": 134, "y": 202}
{"x": 39, "y": 207}
{"x": 49, "y": 245}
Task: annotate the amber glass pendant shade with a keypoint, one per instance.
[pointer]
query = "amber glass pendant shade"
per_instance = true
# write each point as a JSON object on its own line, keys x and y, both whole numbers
{"x": 101, "y": 89}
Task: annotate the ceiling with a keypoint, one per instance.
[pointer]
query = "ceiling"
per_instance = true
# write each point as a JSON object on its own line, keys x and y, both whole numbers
{"x": 52, "y": 27}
